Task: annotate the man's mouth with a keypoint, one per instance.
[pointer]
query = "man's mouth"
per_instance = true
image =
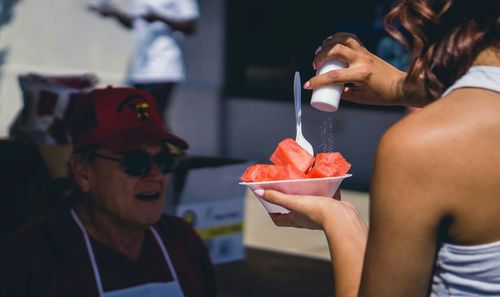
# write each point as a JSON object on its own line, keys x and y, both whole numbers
{"x": 148, "y": 196}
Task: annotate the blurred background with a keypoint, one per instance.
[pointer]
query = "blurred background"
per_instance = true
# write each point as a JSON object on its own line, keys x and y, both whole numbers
{"x": 237, "y": 101}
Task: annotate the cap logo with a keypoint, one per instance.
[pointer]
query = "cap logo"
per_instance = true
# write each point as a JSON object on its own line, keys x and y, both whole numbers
{"x": 136, "y": 103}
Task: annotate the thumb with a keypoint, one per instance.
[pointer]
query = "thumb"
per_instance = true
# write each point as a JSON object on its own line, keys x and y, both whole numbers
{"x": 288, "y": 201}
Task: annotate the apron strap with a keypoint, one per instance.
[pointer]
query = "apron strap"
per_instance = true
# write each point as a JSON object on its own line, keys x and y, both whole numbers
{"x": 90, "y": 251}
{"x": 165, "y": 253}
{"x": 93, "y": 261}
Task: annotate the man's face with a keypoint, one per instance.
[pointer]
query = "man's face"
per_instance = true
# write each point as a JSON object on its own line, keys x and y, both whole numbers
{"x": 135, "y": 201}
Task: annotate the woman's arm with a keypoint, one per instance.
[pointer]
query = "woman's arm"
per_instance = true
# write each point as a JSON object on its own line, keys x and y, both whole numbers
{"x": 368, "y": 79}
{"x": 344, "y": 228}
{"x": 407, "y": 209}
{"x": 409, "y": 203}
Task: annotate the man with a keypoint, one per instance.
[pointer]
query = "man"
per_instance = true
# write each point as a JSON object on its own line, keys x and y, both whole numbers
{"x": 110, "y": 238}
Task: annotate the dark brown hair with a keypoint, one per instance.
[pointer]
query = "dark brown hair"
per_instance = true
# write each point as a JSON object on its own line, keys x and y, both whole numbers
{"x": 444, "y": 38}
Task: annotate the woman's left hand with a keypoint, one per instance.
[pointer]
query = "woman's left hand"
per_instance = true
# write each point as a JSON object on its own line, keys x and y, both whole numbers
{"x": 314, "y": 212}
{"x": 345, "y": 230}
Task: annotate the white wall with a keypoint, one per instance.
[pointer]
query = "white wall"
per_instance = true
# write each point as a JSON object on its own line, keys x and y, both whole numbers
{"x": 62, "y": 37}
{"x": 59, "y": 38}
{"x": 195, "y": 112}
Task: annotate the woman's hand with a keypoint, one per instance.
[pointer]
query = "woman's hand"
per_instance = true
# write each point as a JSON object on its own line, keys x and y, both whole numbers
{"x": 309, "y": 215}
{"x": 368, "y": 79}
{"x": 344, "y": 228}
{"x": 315, "y": 212}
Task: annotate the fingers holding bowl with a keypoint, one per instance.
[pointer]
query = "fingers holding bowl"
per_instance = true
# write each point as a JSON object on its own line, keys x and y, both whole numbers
{"x": 294, "y": 219}
{"x": 305, "y": 211}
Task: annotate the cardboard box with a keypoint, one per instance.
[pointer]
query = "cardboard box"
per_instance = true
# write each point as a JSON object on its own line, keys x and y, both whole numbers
{"x": 208, "y": 195}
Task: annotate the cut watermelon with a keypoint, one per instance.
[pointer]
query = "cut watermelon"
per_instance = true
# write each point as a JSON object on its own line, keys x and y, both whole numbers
{"x": 260, "y": 172}
{"x": 292, "y": 162}
{"x": 290, "y": 152}
{"x": 290, "y": 172}
{"x": 268, "y": 172}
{"x": 329, "y": 165}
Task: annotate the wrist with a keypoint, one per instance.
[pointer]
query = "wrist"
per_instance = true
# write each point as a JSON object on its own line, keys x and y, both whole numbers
{"x": 396, "y": 96}
{"x": 346, "y": 227}
{"x": 347, "y": 243}
{"x": 412, "y": 92}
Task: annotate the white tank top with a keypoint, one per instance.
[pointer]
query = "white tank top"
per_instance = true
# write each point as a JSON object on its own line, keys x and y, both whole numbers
{"x": 469, "y": 270}
{"x": 484, "y": 77}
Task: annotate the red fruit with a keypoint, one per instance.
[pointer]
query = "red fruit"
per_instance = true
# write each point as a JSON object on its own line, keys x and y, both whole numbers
{"x": 268, "y": 172}
{"x": 260, "y": 172}
{"x": 329, "y": 165}
{"x": 290, "y": 152}
{"x": 292, "y": 162}
{"x": 290, "y": 172}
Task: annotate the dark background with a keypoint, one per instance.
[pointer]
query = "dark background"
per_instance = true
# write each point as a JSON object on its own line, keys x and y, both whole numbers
{"x": 267, "y": 41}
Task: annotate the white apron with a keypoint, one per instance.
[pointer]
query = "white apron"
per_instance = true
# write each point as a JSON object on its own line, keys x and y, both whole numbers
{"x": 170, "y": 289}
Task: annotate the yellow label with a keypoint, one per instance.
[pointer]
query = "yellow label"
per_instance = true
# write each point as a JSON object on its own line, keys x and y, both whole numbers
{"x": 212, "y": 232}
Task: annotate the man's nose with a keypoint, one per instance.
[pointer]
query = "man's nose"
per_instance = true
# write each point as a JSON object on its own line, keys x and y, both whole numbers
{"x": 155, "y": 170}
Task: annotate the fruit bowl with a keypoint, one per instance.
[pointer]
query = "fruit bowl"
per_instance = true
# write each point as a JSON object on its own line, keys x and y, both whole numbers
{"x": 326, "y": 186}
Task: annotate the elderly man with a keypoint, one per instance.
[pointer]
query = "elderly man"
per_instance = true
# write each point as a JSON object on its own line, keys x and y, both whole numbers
{"x": 109, "y": 237}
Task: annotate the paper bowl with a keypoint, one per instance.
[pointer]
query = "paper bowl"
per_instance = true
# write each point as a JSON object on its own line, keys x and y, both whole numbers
{"x": 326, "y": 186}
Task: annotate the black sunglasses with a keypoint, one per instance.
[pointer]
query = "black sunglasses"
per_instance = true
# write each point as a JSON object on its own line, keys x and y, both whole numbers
{"x": 139, "y": 162}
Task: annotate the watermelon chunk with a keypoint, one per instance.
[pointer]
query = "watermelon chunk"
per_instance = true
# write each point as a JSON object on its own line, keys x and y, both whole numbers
{"x": 290, "y": 152}
{"x": 329, "y": 165}
{"x": 290, "y": 161}
{"x": 290, "y": 172}
{"x": 260, "y": 172}
{"x": 268, "y": 172}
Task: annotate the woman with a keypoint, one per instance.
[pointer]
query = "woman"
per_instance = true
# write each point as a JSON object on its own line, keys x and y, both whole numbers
{"x": 434, "y": 223}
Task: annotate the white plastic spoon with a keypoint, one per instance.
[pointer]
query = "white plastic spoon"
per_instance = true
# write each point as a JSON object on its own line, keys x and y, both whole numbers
{"x": 297, "y": 90}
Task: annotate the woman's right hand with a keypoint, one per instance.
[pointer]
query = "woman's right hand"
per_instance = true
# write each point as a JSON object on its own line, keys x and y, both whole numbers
{"x": 339, "y": 219}
{"x": 368, "y": 79}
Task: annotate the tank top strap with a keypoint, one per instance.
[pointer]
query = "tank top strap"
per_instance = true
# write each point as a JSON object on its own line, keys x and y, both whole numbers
{"x": 480, "y": 76}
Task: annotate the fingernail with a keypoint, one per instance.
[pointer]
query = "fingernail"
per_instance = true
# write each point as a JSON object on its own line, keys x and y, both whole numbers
{"x": 314, "y": 65}
{"x": 307, "y": 85}
{"x": 317, "y": 50}
{"x": 259, "y": 192}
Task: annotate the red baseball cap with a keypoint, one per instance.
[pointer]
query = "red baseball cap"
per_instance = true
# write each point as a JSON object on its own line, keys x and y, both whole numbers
{"x": 120, "y": 119}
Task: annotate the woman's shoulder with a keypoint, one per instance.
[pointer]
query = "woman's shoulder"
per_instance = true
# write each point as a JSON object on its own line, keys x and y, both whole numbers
{"x": 442, "y": 162}
{"x": 455, "y": 138}
{"x": 420, "y": 135}
{"x": 464, "y": 116}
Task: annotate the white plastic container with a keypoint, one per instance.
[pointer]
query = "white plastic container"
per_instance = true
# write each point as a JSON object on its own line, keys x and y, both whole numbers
{"x": 326, "y": 186}
{"x": 327, "y": 98}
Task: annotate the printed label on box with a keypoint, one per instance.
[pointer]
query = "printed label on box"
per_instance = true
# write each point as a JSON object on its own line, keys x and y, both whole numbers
{"x": 220, "y": 224}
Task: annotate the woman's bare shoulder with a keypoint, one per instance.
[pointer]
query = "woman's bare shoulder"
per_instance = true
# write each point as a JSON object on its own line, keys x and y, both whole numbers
{"x": 455, "y": 138}
{"x": 451, "y": 127}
